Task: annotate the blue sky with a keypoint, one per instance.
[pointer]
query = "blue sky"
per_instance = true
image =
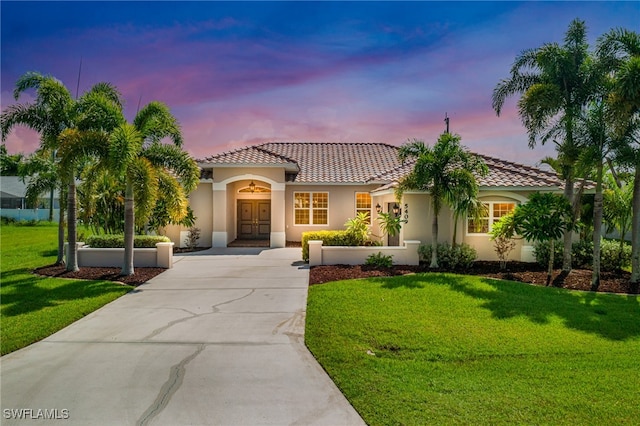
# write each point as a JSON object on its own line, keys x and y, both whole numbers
{"x": 236, "y": 73}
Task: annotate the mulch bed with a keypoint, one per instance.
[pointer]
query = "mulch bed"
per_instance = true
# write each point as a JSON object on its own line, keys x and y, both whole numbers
{"x": 577, "y": 279}
{"x": 141, "y": 276}
{"x": 532, "y": 273}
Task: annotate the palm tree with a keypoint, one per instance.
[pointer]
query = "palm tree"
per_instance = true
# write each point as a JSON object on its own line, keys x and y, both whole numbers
{"x": 49, "y": 115}
{"x": 596, "y": 133}
{"x": 619, "y": 50}
{"x": 447, "y": 170}
{"x": 151, "y": 169}
{"x": 555, "y": 83}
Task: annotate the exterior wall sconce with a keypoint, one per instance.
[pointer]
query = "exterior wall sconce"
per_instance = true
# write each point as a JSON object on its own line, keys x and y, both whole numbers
{"x": 396, "y": 209}
{"x": 252, "y": 187}
{"x": 378, "y": 208}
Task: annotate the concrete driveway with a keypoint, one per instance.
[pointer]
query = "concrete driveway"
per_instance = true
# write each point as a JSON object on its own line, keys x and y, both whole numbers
{"x": 217, "y": 340}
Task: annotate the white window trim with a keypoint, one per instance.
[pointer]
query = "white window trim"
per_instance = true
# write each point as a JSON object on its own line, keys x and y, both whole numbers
{"x": 491, "y": 218}
{"x": 311, "y": 209}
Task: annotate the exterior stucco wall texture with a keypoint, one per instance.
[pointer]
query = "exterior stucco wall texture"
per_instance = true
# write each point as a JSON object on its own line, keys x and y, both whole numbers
{"x": 342, "y": 206}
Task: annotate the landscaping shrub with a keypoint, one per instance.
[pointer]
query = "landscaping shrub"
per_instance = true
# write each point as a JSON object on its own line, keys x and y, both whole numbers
{"x": 458, "y": 257}
{"x": 582, "y": 254}
{"x": 191, "y": 241}
{"x": 611, "y": 258}
{"x": 379, "y": 260}
{"x": 117, "y": 241}
{"x": 16, "y": 222}
{"x": 541, "y": 253}
{"x": 328, "y": 238}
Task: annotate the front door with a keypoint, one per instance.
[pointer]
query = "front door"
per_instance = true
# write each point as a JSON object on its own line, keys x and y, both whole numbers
{"x": 254, "y": 219}
{"x": 395, "y": 240}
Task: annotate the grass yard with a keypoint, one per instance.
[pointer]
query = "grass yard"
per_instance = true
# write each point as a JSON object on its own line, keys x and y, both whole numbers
{"x": 451, "y": 349}
{"x": 32, "y": 307}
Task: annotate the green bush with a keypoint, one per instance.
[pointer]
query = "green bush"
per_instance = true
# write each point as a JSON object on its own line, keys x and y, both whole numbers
{"x": 458, "y": 257}
{"x": 328, "y": 238}
{"x": 379, "y": 260}
{"x": 611, "y": 258}
{"x": 582, "y": 254}
{"x": 117, "y": 241}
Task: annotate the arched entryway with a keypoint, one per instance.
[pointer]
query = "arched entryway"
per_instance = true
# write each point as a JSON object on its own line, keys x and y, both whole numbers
{"x": 248, "y": 212}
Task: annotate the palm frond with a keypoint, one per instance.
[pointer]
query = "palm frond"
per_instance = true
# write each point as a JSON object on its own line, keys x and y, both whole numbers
{"x": 176, "y": 160}
{"x": 155, "y": 122}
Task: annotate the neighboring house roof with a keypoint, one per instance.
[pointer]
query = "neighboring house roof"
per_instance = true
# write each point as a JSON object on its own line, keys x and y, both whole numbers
{"x": 368, "y": 163}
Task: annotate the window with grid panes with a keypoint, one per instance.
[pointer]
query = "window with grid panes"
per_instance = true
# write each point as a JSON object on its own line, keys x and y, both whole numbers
{"x": 363, "y": 203}
{"x": 494, "y": 211}
{"x": 311, "y": 208}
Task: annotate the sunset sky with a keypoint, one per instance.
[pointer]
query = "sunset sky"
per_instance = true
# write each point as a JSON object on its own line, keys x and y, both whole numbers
{"x": 249, "y": 72}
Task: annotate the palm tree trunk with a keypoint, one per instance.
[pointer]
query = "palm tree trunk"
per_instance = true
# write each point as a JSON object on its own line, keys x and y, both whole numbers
{"x": 72, "y": 261}
{"x": 568, "y": 234}
{"x": 62, "y": 201}
{"x": 597, "y": 228}
{"x": 434, "y": 238}
{"x": 635, "y": 229}
{"x": 129, "y": 229}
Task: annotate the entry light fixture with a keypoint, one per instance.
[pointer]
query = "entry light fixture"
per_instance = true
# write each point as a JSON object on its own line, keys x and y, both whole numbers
{"x": 396, "y": 209}
{"x": 378, "y": 208}
{"x": 252, "y": 187}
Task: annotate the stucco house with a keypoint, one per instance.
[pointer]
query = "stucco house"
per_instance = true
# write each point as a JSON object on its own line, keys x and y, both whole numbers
{"x": 276, "y": 191}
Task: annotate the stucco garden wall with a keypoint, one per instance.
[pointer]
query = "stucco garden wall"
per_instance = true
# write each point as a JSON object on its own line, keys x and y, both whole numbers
{"x": 159, "y": 257}
{"x": 321, "y": 255}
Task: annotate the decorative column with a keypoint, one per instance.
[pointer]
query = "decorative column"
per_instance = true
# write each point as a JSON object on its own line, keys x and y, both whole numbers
{"x": 219, "y": 235}
{"x": 278, "y": 235}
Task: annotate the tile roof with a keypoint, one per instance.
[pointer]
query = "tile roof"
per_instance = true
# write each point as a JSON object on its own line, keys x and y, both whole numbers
{"x": 248, "y": 155}
{"x": 369, "y": 163}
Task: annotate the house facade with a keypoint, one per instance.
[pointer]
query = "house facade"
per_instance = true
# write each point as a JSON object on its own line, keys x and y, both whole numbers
{"x": 274, "y": 192}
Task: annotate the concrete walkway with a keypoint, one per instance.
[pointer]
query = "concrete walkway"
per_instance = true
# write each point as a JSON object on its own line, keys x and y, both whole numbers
{"x": 217, "y": 340}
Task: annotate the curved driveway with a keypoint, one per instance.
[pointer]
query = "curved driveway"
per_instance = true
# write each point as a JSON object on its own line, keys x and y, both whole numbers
{"x": 217, "y": 340}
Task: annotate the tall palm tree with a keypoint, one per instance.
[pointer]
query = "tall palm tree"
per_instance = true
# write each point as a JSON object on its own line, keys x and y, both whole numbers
{"x": 555, "y": 83}
{"x": 151, "y": 169}
{"x": 49, "y": 115}
{"x": 619, "y": 50}
{"x": 596, "y": 133}
{"x": 447, "y": 171}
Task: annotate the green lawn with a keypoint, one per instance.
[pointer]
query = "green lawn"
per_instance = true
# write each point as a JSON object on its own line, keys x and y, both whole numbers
{"x": 31, "y": 307}
{"x": 450, "y": 349}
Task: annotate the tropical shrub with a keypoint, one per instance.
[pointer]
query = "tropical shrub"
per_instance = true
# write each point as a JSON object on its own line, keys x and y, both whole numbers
{"x": 328, "y": 238}
{"x": 379, "y": 260}
{"x": 117, "y": 241}
{"x": 458, "y": 257}
{"x": 359, "y": 227}
{"x": 502, "y": 235}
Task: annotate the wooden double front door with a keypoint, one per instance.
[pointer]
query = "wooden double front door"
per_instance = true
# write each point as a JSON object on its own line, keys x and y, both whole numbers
{"x": 254, "y": 219}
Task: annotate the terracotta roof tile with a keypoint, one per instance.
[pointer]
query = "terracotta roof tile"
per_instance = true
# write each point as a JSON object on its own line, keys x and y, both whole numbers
{"x": 369, "y": 163}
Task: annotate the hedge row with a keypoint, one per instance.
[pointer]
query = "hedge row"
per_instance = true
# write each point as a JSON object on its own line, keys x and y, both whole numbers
{"x": 328, "y": 238}
{"x": 117, "y": 241}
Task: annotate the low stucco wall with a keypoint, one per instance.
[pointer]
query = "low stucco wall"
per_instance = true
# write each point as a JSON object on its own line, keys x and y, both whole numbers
{"x": 339, "y": 255}
{"x": 159, "y": 257}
